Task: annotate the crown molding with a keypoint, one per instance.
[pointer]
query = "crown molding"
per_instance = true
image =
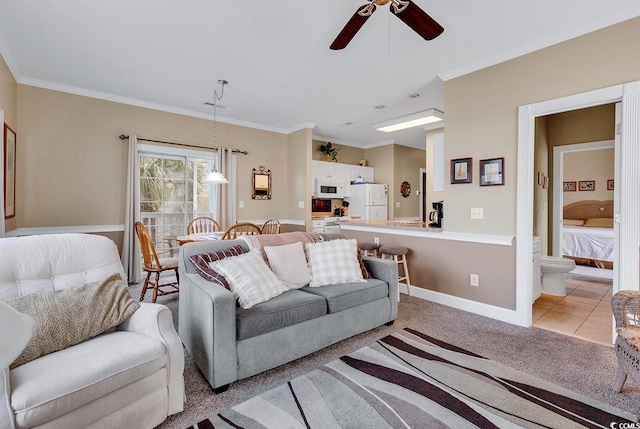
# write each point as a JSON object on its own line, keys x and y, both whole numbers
{"x": 581, "y": 30}
{"x": 138, "y": 103}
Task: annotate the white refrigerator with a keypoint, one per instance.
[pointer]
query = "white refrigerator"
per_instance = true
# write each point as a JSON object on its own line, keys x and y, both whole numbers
{"x": 369, "y": 201}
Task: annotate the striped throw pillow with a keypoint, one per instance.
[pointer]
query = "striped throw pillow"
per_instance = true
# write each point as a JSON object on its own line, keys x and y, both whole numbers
{"x": 251, "y": 280}
{"x": 203, "y": 262}
{"x": 333, "y": 262}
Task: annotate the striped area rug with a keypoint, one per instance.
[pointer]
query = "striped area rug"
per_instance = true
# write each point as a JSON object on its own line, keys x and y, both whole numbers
{"x": 410, "y": 380}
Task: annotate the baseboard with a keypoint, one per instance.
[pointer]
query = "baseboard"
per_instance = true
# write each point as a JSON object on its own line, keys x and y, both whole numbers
{"x": 481, "y": 309}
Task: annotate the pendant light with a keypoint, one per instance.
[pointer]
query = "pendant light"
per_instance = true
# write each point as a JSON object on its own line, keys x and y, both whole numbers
{"x": 215, "y": 176}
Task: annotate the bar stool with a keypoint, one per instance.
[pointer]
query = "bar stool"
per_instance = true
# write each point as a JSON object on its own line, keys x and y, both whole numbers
{"x": 369, "y": 249}
{"x": 398, "y": 254}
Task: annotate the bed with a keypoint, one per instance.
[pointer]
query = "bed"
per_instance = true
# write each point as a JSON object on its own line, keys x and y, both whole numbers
{"x": 588, "y": 233}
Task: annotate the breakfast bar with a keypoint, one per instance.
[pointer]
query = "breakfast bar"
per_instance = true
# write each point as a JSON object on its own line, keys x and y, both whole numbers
{"x": 441, "y": 262}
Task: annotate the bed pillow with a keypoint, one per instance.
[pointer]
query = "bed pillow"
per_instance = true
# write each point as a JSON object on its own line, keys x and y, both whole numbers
{"x": 333, "y": 261}
{"x": 203, "y": 262}
{"x": 63, "y": 318}
{"x": 573, "y": 222}
{"x": 599, "y": 222}
{"x": 251, "y": 280}
{"x": 289, "y": 263}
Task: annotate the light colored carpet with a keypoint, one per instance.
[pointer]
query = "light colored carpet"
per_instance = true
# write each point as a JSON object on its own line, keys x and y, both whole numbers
{"x": 584, "y": 367}
{"x": 411, "y": 380}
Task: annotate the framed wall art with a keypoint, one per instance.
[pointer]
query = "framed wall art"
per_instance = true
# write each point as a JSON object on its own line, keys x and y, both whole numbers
{"x": 569, "y": 186}
{"x": 610, "y": 185}
{"x": 587, "y": 185}
{"x": 461, "y": 170}
{"x": 492, "y": 172}
{"x": 9, "y": 172}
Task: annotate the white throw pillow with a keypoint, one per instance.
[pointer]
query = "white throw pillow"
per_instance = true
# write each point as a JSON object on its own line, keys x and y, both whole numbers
{"x": 333, "y": 261}
{"x": 289, "y": 263}
{"x": 250, "y": 279}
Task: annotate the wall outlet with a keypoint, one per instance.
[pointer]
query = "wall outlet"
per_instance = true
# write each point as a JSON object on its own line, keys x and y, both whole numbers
{"x": 300, "y": 204}
{"x": 477, "y": 213}
{"x": 474, "y": 280}
{"x": 376, "y": 240}
{"x": 241, "y": 204}
{"x": 397, "y": 204}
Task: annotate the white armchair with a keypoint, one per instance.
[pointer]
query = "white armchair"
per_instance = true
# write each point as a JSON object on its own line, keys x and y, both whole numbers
{"x": 130, "y": 376}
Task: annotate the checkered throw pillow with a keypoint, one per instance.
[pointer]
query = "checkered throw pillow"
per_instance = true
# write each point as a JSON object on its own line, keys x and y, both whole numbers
{"x": 334, "y": 261}
{"x": 251, "y": 280}
{"x": 203, "y": 261}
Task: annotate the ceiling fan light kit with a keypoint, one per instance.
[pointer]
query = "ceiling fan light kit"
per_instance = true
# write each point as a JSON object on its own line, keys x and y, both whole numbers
{"x": 407, "y": 11}
{"x": 413, "y": 120}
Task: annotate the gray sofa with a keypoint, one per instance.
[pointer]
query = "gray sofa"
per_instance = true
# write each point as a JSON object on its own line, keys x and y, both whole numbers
{"x": 229, "y": 343}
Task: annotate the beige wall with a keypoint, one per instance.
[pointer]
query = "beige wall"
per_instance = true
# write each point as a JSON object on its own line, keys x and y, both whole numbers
{"x": 299, "y": 148}
{"x": 407, "y": 164}
{"x": 482, "y": 113}
{"x": 595, "y": 165}
{"x": 541, "y": 196}
{"x": 444, "y": 266}
{"x": 9, "y": 104}
{"x": 71, "y": 167}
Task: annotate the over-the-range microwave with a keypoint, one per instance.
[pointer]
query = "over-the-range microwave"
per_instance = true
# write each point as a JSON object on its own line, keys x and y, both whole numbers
{"x": 329, "y": 189}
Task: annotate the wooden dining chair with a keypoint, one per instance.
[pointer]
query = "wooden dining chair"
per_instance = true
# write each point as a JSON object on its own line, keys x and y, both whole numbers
{"x": 242, "y": 228}
{"x": 153, "y": 264}
{"x": 272, "y": 226}
{"x": 203, "y": 224}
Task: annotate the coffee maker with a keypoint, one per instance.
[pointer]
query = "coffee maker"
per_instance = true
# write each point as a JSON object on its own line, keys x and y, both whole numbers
{"x": 436, "y": 215}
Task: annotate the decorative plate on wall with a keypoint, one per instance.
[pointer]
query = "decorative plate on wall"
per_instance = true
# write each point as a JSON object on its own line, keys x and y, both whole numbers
{"x": 405, "y": 189}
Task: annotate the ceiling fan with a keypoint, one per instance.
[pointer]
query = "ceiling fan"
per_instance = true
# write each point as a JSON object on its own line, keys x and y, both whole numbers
{"x": 406, "y": 10}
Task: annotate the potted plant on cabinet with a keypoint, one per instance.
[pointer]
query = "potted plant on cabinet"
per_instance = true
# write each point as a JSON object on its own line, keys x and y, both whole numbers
{"x": 331, "y": 152}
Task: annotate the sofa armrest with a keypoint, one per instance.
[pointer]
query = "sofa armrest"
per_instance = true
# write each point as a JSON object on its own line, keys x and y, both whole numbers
{"x": 7, "y": 419}
{"x": 207, "y": 327}
{"x": 385, "y": 270}
{"x": 155, "y": 321}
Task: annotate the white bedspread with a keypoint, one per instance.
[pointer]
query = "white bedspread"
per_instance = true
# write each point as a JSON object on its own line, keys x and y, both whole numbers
{"x": 587, "y": 242}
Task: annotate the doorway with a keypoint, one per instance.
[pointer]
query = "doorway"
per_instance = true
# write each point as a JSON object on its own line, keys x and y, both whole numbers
{"x": 627, "y": 211}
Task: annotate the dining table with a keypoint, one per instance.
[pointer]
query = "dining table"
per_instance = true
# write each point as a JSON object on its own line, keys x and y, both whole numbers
{"x": 201, "y": 236}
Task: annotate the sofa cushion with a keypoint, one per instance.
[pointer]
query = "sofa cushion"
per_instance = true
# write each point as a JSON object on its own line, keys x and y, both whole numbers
{"x": 287, "y": 309}
{"x": 347, "y": 295}
{"x": 333, "y": 262}
{"x": 251, "y": 280}
{"x": 289, "y": 263}
{"x": 66, "y": 317}
{"x": 202, "y": 263}
{"x": 60, "y": 382}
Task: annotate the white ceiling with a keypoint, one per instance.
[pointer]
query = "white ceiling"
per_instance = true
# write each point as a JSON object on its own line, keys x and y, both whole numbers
{"x": 282, "y": 75}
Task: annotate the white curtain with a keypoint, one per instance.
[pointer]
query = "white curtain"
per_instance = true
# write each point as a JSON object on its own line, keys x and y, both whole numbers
{"x": 226, "y": 195}
{"x": 130, "y": 245}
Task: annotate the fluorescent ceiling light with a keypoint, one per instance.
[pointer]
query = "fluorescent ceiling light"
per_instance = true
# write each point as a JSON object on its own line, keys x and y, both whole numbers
{"x": 413, "y": 120}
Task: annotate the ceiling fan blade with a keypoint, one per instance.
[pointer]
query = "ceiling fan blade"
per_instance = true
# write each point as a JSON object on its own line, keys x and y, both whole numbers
{"x": 419, "y": 21}
{"x": 351, "y": 28}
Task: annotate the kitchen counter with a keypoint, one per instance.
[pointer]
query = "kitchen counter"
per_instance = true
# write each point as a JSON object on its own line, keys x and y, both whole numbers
{"x": 396, "y": 224}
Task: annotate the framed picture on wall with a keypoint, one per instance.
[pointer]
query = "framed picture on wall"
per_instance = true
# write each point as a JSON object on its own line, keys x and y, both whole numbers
{"x": 9, "y": 172}
{"x": 610, "y": 185}
{"x": 569, "y": 186}
{"x": 461, "y": 170}
{"x": 587, "y": 185}
{"x": 492, "y": 172}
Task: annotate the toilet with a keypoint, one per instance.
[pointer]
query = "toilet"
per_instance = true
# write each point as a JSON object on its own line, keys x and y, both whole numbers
{"x": 552, "y": 271}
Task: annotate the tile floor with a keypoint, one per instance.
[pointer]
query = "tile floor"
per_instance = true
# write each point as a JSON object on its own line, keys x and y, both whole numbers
{"x": 585, "y": 312}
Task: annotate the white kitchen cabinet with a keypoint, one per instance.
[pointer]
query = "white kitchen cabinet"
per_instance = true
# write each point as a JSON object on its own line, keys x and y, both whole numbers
{"x": 334, "y": 172}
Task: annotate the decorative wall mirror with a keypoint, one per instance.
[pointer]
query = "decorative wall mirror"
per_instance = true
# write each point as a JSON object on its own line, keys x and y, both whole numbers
{"x": 405, "y": 189}
{"x": 261, "y": 183}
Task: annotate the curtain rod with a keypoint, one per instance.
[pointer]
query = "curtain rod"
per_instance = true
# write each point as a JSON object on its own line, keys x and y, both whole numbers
{"x": 123, "y": 137}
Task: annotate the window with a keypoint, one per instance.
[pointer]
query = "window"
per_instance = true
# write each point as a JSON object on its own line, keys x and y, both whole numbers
{"x": 173, "y": 192}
